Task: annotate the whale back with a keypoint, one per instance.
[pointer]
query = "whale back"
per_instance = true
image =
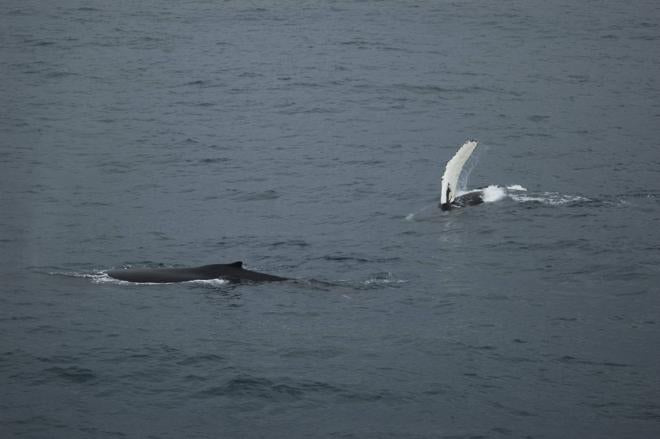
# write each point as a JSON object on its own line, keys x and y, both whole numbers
{"x": 219, "y": 267}
{"x": 158, "y": 275}
{"x": 233, "y": 272}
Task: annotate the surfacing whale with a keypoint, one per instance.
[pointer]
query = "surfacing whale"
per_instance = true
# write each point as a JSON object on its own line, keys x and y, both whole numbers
{"x": 449, "y": 197}
{"x": 233, "y": 272}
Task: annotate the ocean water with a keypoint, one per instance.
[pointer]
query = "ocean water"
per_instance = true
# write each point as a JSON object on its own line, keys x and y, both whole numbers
{"x": 308, "y": 140}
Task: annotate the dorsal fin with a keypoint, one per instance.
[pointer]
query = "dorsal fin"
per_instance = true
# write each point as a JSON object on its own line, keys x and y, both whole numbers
{"x": 237, "y": 264}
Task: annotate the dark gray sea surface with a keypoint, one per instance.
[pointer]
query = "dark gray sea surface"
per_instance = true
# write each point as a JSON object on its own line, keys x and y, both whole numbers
{"x": 308, "y": 140}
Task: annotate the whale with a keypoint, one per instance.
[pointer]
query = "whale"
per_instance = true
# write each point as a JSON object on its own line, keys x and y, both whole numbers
{"x": 471, "y": 198}
{"x": 233, "y": 272}
{"x": 450, "y": 195}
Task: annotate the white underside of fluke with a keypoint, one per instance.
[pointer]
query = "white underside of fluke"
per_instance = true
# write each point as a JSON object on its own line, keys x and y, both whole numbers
{"x": 453, "y": 172}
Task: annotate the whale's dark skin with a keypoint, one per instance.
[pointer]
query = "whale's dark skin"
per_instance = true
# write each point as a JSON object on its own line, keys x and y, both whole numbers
{"x": 233, "y": 272}
{"x": 468, "y": 199}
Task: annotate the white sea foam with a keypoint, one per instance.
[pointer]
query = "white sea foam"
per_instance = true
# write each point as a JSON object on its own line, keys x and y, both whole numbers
{"x": 516, "y": 187}
{"x": 104, "y": 278}
{"x": 549, "y": 198}
{"x": 205, "y": 282}
{"x": 209, "y": 282}
{"x": 493, "y": 193}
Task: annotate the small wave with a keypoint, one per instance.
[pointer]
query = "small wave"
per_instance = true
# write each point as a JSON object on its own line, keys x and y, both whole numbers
{"x": 258, "y": 196}
{"x": 290, "y": 243}
{"x": 371, "y": 282}
{"x": 200, "y": 359}
{"x": 516, "y": 187}
{"x": 209, "y": 282}
{"x": 285, "y": 389}
{"x": 357, "y": 258}
{"x": 243, "y": 386}
{"x": 384, "y": 279}
{"x": 73, "y": 374}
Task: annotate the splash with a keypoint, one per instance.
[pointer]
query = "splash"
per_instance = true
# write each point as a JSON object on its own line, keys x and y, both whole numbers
{"x": 493, "y": 193}
{"x": 455, "y": 184}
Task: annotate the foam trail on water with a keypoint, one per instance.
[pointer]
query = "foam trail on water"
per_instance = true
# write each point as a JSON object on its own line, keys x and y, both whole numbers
{"x": 97, "y": 278}
{"x": 548, "y": 198}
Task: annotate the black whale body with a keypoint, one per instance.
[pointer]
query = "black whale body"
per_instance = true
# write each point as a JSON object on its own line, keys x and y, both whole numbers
{"x": 233, "y": 272}
{"x": 468, "y": 199}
